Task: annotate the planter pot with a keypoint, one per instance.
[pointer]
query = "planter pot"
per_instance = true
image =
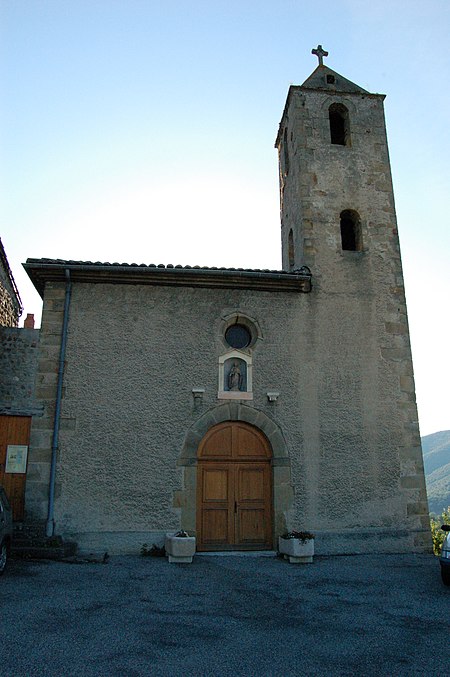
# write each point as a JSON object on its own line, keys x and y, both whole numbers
{"x": 296, "y": 551}
{"x": 180, "y": 549}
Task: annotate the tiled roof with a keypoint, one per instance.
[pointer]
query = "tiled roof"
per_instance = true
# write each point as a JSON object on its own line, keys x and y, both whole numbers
{"x": 168, "y": 266}
{"x": 46, "y": 270}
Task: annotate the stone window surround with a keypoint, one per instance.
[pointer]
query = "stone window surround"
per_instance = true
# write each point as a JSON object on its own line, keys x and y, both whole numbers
{"x": 238, "y": 317}
{"x": 247, "y": 321}
{"x": 339, "y": 121}
{"x": 352, "y": 113}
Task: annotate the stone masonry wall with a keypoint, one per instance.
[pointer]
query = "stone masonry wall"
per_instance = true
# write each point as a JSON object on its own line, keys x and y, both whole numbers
{"x": 359, "y": 297}
{"x": 9, "y": 305}
{"x": 39, "y": 458}
{"x": 9, "y": 314}
{"x": 18, "y": 366}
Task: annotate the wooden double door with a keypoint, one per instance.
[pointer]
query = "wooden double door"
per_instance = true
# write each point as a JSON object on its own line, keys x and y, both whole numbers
{"x": 234, "y": 489}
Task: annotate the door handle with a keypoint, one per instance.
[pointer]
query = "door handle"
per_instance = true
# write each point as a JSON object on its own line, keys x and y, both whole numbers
{"x": 235, "y": 506}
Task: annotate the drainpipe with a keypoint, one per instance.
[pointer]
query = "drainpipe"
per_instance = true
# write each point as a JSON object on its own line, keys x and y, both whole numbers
{"x": 50, "y": 526}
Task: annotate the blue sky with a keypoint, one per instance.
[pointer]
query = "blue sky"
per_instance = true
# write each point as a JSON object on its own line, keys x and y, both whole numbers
{"x": 143, "y": 131}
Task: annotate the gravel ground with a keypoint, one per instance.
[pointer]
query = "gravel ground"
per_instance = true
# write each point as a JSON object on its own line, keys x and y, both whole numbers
{"x": 361, "y": 615}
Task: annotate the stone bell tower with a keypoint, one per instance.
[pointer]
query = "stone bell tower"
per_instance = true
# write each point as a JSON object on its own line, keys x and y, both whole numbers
{"x": 335, "y": 179}
{"x": 338, "y": 218}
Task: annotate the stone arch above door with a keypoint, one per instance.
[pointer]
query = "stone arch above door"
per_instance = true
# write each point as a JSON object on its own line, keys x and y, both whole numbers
{"x": 234, "y": 411}
{"x": 185, "y": 500}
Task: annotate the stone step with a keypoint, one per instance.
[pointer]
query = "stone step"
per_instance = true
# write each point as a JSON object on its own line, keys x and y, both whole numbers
{"x": 30, "y": 542}
{"x": 44, "y": 550}
{"x": 21, "y": 538}
{"x": 29, "y": 529}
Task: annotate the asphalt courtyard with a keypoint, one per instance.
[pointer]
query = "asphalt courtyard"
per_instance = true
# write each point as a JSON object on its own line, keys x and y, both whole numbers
{"x": 360, "y": 615}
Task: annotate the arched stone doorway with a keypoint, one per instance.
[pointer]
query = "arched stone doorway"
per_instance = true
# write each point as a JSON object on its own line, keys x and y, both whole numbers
{"x": 185, "y": 500}
{"x": 234, "y": 489}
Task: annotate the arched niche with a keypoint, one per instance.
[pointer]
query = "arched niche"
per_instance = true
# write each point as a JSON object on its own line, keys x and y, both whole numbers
{"x": 235, "y": 376}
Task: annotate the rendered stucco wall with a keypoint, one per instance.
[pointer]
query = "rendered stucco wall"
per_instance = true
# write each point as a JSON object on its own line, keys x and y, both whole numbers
{"x": 126, "y": 453}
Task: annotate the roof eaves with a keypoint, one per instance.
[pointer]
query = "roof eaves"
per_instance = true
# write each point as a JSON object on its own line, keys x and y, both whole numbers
{"x": 41, "y": 271}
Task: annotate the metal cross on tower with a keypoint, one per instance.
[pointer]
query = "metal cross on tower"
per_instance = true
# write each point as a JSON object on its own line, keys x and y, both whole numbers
{"x": 320, "y": 53}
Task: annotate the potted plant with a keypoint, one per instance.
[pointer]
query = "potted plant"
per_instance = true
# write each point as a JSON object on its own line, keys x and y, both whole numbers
{"x": 180, "y": 547}
{"x": 297, "y": 546}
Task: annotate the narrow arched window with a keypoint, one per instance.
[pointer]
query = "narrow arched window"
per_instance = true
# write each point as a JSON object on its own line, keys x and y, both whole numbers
{"x": 339, "y": 124}
{"x": 291, "y": 252}
{"x": 351, "y": 231}
{"x": 286, "y": 151}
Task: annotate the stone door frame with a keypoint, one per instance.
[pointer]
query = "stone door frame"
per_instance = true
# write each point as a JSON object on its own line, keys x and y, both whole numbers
{"x": 185, "y": 500}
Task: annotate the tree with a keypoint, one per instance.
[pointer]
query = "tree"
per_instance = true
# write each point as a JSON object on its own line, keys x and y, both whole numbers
{"x": 436, "y": 532}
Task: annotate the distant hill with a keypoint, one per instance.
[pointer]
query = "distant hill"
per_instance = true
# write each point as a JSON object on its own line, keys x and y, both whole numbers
{"x": 436, "y": 459}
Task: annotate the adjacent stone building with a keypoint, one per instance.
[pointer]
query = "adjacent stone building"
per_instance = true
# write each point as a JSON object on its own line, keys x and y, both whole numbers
{"x": 10, "y": 303}
{"x": 238, "y": 404}
{"x": 18, "y": 363}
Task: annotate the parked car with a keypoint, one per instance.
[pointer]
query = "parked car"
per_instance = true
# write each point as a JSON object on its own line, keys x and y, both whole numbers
{"x": 6, "y": 529}
{"x": 444, "y": 559}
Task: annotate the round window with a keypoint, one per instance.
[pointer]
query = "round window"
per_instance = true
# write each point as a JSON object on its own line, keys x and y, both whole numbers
{"x": 238, "y": 336}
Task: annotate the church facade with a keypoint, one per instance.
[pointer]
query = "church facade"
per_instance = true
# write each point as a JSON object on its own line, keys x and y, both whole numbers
{"x": 238, "y": 404}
